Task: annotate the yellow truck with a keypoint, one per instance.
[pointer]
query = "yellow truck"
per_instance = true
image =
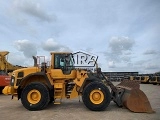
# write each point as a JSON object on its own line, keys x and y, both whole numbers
{"x": 141, "y": 78}
{"x": 155, "y": 80}
{"x": 5, "y": 68}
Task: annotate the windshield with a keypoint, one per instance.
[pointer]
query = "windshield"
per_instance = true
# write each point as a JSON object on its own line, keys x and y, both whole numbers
{"x": 69, "y": 61}
{"x": 64, "y": 62}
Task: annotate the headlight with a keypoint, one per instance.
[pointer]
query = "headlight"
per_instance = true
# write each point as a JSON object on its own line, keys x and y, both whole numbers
{"x": 12, "y": 80}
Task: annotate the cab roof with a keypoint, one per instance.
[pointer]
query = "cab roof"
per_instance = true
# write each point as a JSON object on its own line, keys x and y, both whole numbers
{"x": 60, "y": 53}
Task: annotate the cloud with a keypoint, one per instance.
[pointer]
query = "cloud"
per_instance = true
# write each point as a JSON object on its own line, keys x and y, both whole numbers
{"x": 89, "y": 25}
{"x": 119, "y": 49}
{"x": 146, "y": 65}
{"x": 151, "y": 66}
{"x": 140, "y": 62}
{"x": 150, "y": 52}
{"x": 16, "y": 58}
{"x": 53, "y": 45}
{"x": 33, "y": 8}
{"x": 126, "y": 58}
{"x": 118, "y": 45}
{"x": 27, "y": 47}
{"x": 111, "y": 64}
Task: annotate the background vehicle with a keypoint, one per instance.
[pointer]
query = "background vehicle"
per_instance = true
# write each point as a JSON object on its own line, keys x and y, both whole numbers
{"x": 37, "y": 86}
{"x": 5, "y": 68}
{"x": 145, "y": 79}
{"x": 155, "y": 80}
{"x": 4, "y": 80}
{"x": 132, "y": 77}
{"x": 141, "y": 78}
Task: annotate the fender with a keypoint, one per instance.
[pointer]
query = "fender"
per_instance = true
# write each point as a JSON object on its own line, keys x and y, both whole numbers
{"x": 92, "y": 77}
{"x": 41, "y": 74}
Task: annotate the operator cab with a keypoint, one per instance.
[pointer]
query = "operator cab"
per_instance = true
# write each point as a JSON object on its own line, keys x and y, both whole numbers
{"x": 63, "y": 61}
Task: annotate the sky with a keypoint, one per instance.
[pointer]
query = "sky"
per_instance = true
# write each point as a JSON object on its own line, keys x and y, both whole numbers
{"x": 124, "y": 34}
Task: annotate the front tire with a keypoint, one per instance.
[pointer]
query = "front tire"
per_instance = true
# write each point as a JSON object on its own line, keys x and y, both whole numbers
{"x": 1, "y": 88}
{"x": 96, "y": 96}
{"x": 35, "y": 96}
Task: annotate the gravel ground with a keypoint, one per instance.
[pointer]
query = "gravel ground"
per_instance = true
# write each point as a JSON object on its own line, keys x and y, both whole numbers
{"x": 75, "y": 110}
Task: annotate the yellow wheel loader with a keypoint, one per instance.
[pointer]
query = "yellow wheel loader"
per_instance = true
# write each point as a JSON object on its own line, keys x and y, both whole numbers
{"x": 39, "y": 85}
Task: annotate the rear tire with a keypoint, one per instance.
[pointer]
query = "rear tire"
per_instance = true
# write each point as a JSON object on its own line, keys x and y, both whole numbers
{"x": 35, "y": 96}
{"x": 154, "y": 83}
{"x": 96, "y": 96}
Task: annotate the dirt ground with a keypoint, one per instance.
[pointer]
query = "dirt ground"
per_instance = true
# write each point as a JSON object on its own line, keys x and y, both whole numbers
{"x": 75, "y": 110}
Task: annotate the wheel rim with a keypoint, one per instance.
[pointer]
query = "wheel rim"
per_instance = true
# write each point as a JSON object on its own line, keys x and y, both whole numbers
{"x": 34, "y": 96}
{"x": 96, "y": 96}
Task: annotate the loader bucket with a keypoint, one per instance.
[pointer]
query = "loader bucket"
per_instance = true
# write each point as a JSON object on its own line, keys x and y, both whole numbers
{"x": 133, "y": 98}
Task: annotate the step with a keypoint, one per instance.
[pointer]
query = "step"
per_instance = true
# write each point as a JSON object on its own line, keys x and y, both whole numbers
{"x": 57, "y": 103}
{"x": 57, "y": 96}
{"x": 58, "y": 90}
